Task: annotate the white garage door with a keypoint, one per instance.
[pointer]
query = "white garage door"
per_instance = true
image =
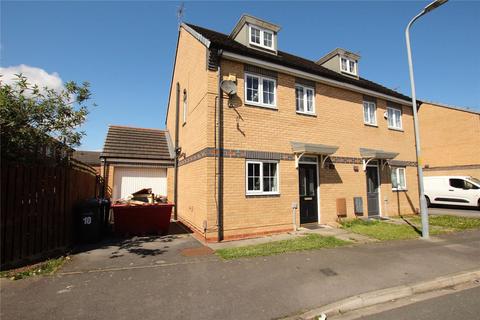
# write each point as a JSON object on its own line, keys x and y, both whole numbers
{"x": 128, "y": 180}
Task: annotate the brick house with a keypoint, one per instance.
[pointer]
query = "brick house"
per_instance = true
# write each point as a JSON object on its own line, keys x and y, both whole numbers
{"x": 287, "y": 141}
{"x": 449, "y": 147}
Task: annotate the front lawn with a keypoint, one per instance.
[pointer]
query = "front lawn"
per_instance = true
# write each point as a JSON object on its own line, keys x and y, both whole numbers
{"x": 410, "y": 228}
{"x": 308, "y": 242}
{"x": 381, "y": 230}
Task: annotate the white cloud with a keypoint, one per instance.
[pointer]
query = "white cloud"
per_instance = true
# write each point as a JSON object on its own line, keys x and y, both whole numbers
{"x": 34, "y": 76}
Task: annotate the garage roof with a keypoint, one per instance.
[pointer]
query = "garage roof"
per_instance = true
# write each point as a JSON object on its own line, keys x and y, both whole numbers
{"x": 137, "y": 144}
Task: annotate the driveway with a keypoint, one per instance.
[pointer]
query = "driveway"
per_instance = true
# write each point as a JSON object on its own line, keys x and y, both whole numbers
{"x": 468, "y": 212}
{"x": 138, "y": 252}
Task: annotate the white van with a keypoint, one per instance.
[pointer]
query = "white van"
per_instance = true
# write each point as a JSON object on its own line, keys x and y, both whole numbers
{"x": 452, "y": 190}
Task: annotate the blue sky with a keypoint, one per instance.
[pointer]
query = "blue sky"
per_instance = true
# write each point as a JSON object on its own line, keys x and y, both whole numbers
{"x": 126, "y": 49}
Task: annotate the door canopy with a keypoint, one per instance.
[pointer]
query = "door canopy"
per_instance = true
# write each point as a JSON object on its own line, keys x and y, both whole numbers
{"x": 376, "y": 154}
{"x": 301, "y": 148}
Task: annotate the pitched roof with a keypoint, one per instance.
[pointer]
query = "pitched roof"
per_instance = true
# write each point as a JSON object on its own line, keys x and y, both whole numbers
{"x": 136, "y": 143}
{"x": 88, "y": 157}
{"x": 222, "y": 41}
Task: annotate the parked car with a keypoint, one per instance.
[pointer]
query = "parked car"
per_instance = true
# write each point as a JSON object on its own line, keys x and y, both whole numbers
{"x": 452, "y": 190}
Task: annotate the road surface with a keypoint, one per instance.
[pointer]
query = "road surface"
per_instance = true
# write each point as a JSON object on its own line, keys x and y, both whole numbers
{"x": 461, "y": 305}
{"x": 461, "y": 212}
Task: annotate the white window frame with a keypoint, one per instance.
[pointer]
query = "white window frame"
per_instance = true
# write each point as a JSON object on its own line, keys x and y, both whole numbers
{"x": 367, "y": 103}
{"x": 262, "y": 37}
{"x": 305, "y": 88}
{"x": 388, "y": 118}
{"x": 404, "y": 170}
{"x": 355, "y": 68}
{"x": 260, "y": 102}
{"x": 261, "y": 192}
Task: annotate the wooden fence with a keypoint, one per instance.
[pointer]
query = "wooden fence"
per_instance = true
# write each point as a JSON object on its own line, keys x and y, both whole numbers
{"x": 37, "y": 209}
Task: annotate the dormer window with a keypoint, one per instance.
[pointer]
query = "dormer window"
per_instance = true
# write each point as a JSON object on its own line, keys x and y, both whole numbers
{"x": 348, "y": 65}
{"x": 261, "y": 37}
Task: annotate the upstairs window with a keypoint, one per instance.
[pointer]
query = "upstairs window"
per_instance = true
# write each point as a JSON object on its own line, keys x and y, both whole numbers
{"x": 394, "y": 116}
{"x": 261, "y": 177}
{"x": 369, "y": 113}
{"x": 260, "y": 91}
{"x": 254, "y": 35}
{"x": 348, "y": 65}
{"x": 305, "y": 99}
{"x": 398, "y": 179}
{"x": 261, "y": 37}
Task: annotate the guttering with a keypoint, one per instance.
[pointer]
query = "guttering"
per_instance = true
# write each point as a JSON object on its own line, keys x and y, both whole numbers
{"x": 310, "y": 76}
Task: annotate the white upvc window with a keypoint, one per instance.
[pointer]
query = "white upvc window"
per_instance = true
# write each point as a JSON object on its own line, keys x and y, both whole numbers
{"x": 394, "y": 116}
{"x": 304, "y": 99}
{"x": 399, "y": 180}
{"x": 260, "y": 91}
{"x": 261, "y": 177}
{"x": 261, "y": 37}
{"x": 348, "y": 65}
{"x": 370, "y": 113}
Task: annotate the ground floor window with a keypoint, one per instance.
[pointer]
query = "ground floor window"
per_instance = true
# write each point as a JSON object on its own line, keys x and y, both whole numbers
{"x": 399, "y": 181}
{"x": 261, "y": 177}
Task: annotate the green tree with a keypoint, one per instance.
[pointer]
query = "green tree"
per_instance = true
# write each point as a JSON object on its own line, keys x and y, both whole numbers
{"x": 32, "y": 117}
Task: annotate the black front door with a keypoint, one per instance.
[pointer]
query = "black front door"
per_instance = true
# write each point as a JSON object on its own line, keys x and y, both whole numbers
{"x": 308, "y": 193}
{"x": 372, "y": 191}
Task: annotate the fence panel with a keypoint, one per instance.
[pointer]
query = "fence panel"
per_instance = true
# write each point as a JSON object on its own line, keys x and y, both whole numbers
{"x": 38, "y": 207}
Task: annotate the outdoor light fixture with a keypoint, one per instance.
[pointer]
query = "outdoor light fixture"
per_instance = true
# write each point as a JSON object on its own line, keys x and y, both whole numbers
{"x": 434, "y": 5}
{"x": 423, "y": 203}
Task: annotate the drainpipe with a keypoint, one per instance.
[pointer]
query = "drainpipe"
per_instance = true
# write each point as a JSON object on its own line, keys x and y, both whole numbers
{"x": 105, "y": 182}
{"x": 219, "y": 149}
{"x": 175, "y": 175}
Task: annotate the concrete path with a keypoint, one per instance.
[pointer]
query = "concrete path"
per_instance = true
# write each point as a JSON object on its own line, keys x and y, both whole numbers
{"x": 323, "y": 230}
{"x": 465, "y": 212}
{"x": 205, "y": 287}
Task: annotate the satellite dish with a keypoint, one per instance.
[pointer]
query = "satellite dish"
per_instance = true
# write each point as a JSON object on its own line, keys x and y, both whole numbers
{"x": 229, "y": 87}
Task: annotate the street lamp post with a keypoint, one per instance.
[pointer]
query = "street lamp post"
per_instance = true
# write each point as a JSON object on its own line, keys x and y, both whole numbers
{"x": 423, "y": 204}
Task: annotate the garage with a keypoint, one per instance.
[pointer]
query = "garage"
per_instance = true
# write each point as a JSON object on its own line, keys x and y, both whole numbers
{"x": 128, "y": 180}
{"x": 134, "y": 159}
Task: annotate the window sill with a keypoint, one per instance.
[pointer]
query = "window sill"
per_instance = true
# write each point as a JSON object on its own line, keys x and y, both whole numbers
{"x": 396, "y": 129}
{"x": 349, "y": 73}
{"x": 259, "y": 46}
{"x": 399, "y": 190}
{"x": 308, "y": 114}
{"x": 262, "y": 195}
{"x": 260, "y": 105}
{"x": 371, "y": 125}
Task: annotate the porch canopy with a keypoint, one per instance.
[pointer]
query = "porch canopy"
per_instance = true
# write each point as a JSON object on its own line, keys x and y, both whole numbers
{"x": 376, "y": 154}
{"x": 302, "y": 148}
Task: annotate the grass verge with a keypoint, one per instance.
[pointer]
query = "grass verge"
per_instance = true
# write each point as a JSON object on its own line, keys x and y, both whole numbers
{"x": 308, "y": 242}
{"x": 411, "y": 229}
{"x": 450, "y": 222}
{"x": 381, "y": 230}
{"x": 42, "y": 268}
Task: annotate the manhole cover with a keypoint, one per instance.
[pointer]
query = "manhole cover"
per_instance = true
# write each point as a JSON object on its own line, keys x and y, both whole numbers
{"x": 328, "y": 272}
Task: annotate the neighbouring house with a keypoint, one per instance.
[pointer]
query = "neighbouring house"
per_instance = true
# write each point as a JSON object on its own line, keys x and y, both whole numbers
{"x": 135, "y": 158}
{"x": 293, "y": 142}
{"x": 92, "y": 158}
{"x": 450, "y": 140}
